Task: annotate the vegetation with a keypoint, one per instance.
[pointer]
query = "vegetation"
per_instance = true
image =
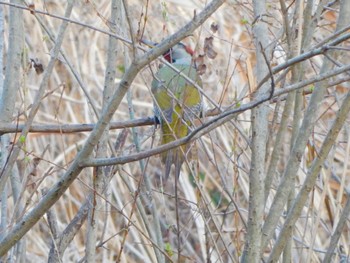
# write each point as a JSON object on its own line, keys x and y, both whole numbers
{"x": 81, "y": 178}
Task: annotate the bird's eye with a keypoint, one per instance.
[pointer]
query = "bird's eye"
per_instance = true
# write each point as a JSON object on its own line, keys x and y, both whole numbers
{"x": 167, "y": 56}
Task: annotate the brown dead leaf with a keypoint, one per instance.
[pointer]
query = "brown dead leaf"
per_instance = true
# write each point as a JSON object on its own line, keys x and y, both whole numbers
{"x": 209, "y": 48}
{"x": 214, "y": 27}
{"x": 32, "y": 8}
{"x": 201, "y": 67}
{"x": 39, "y": 68}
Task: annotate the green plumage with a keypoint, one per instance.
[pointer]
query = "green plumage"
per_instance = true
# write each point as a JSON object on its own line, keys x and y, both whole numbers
{"x": 177, "y": 104}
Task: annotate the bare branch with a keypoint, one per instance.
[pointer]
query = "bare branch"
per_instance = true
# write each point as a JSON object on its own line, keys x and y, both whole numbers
{"x": 109, "y": 33}
{"x": 74, "y": 170}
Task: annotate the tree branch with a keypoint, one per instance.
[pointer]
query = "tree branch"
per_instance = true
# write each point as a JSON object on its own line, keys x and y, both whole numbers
{"x": 74, "y": 170}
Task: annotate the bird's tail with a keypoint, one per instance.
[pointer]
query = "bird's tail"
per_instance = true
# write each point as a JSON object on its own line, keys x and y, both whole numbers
{"x": 175, "y": 156}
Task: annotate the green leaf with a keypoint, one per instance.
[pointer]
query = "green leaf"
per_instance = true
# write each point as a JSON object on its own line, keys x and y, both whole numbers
{"x": 244, "y": 21}
{"x": 216, "y": 197}
{"x": 168, "y": 249}
{"x": 121, "y": 68}
{"x": 164, "y": 11}
{"x": 22, "y": 139}
{"x": 201, "y": 177}
{"x": 192, "y": 181}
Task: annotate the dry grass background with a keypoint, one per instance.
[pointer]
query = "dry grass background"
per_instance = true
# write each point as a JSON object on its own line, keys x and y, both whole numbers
{"x": 209, "y": 215}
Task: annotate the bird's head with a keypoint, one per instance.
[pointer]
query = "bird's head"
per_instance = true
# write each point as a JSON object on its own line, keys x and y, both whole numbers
{"x": 180, "y": 53}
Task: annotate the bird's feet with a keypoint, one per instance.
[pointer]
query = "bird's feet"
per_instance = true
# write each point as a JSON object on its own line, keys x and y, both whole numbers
{"x": 156, "y": 121}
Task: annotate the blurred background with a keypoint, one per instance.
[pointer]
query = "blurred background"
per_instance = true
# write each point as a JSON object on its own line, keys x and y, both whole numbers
{"x": 212, "y": 203}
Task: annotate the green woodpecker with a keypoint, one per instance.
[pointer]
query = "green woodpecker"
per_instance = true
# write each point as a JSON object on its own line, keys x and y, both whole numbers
{"x": 177, "y": 103}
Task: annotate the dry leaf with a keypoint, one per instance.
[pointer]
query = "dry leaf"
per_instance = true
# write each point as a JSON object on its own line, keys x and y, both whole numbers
{"x": 39, "y": 68}
{"x": 208, "y": 48}
{"x": 200, "y": 66}
{"x": 32, "y": 8}
{"x": 214, "y": 27}
{"x": 201, "y": 69}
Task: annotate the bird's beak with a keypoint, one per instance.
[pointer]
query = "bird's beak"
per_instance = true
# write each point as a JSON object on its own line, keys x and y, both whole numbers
{"x": 148, "y": 43}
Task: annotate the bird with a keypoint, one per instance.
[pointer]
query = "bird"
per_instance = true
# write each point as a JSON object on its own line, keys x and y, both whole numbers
{"x": 177, "y": 103}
